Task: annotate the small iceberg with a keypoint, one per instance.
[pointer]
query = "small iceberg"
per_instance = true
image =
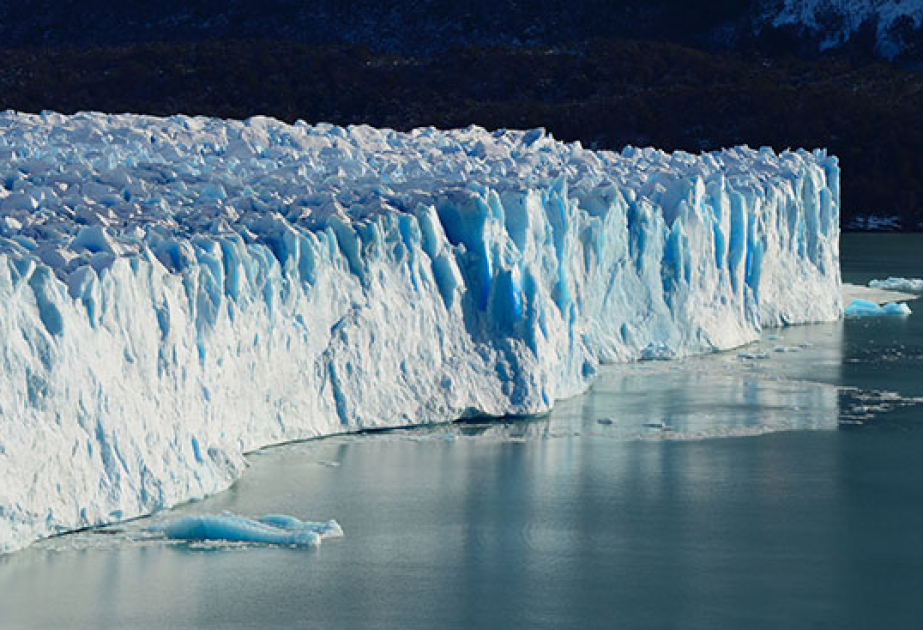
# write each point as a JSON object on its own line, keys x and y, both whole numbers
{"x": 907, "y": 285}
{"x": 272, "y": 529}
{"x": 851, "y": 292}
{"x": 865, "y": 308}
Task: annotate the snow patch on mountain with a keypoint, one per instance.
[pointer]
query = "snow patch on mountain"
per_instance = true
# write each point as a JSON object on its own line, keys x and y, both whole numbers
{"x": 836, "y": 21}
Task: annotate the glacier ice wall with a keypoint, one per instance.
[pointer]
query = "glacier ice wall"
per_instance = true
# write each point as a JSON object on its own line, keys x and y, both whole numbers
{"x": 175, "y": 292}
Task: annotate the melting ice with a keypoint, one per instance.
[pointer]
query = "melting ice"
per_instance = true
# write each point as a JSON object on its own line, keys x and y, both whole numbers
{"x": 175, "y": 292}
{"x": 272, "y": 529}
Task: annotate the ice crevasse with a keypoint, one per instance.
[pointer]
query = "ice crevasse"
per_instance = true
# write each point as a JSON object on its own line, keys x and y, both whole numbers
{"x": 175, "y": 292}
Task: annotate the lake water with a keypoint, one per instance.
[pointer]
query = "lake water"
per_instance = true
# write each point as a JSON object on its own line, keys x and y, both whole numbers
{"x": 776, "y": 486}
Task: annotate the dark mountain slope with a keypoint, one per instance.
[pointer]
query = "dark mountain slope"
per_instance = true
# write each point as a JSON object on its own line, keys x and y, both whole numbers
{"x": 604, "y": 93}
{"x": 862, "y": 27}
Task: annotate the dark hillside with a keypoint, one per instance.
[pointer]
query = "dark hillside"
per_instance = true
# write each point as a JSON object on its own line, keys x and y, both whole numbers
{"x": 419, "y": 27}
{"x": 605, "y": 94}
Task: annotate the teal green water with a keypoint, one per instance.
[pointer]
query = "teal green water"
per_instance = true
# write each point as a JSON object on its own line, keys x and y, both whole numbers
{"x": 779, "y": 486}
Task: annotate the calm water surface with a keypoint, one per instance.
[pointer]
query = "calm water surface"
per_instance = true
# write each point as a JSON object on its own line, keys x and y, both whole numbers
{"x": 777, "y": 486}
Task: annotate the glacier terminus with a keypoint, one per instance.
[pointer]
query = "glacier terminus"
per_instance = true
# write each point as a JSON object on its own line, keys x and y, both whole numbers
{"x": 176, "y": 292}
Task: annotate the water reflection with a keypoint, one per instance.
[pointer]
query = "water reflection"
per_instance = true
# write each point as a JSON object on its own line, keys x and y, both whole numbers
{"x": 789, "y": 380}
{"x": 612, "y": 510}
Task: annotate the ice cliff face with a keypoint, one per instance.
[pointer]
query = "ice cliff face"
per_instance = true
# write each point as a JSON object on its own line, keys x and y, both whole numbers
{"x": 176, "y": 292}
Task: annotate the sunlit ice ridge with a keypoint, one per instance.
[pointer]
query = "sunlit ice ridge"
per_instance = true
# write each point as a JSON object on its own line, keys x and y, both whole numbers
{"x": 176, "y": 292}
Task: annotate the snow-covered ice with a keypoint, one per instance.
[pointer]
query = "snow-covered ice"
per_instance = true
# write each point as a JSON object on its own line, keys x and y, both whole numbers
{"x": 870, "y": 294}
{"x": 176, "y": 292}
{"x": 835, "y": 22}
{"x": 865, "y": 308}
{"x": 907, "y": 285}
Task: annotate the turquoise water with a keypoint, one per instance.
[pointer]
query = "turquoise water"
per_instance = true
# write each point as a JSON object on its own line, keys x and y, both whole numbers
{"x": 777, "y": 486}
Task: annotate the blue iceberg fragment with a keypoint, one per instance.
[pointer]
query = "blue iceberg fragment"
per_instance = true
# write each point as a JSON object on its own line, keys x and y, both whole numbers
{"x": 268, "y": 530}
{"x": 864, "y": 308}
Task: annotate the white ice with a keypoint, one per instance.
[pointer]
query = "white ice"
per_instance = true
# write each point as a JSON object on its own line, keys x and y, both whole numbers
{"x": 908, "y": 285}
{"x": 176, "y": 292}
{"x": 870, "y": 294}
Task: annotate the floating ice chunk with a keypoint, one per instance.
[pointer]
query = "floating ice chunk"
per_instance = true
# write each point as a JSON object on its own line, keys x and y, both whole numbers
{"x": 864, "y": 308}
{"x": 853, "y": 292}
{"x": 908, "y": 285}
{"x": 268, "y": 530}
{"x": 753, "y": 356}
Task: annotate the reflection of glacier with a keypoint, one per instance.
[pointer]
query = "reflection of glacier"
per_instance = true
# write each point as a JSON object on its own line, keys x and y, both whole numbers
{"x": 774, "y": 386}
{"x": 791, "y": 385}
{"x": 176, "y": 292}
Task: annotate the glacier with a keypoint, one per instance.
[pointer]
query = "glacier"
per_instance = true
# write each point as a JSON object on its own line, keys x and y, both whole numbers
{"x": 176, "y": 292}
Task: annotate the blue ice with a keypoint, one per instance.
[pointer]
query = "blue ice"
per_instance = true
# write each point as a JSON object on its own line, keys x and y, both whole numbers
{"x": 864, "y": 308}
{"x": 273, "y": 529}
